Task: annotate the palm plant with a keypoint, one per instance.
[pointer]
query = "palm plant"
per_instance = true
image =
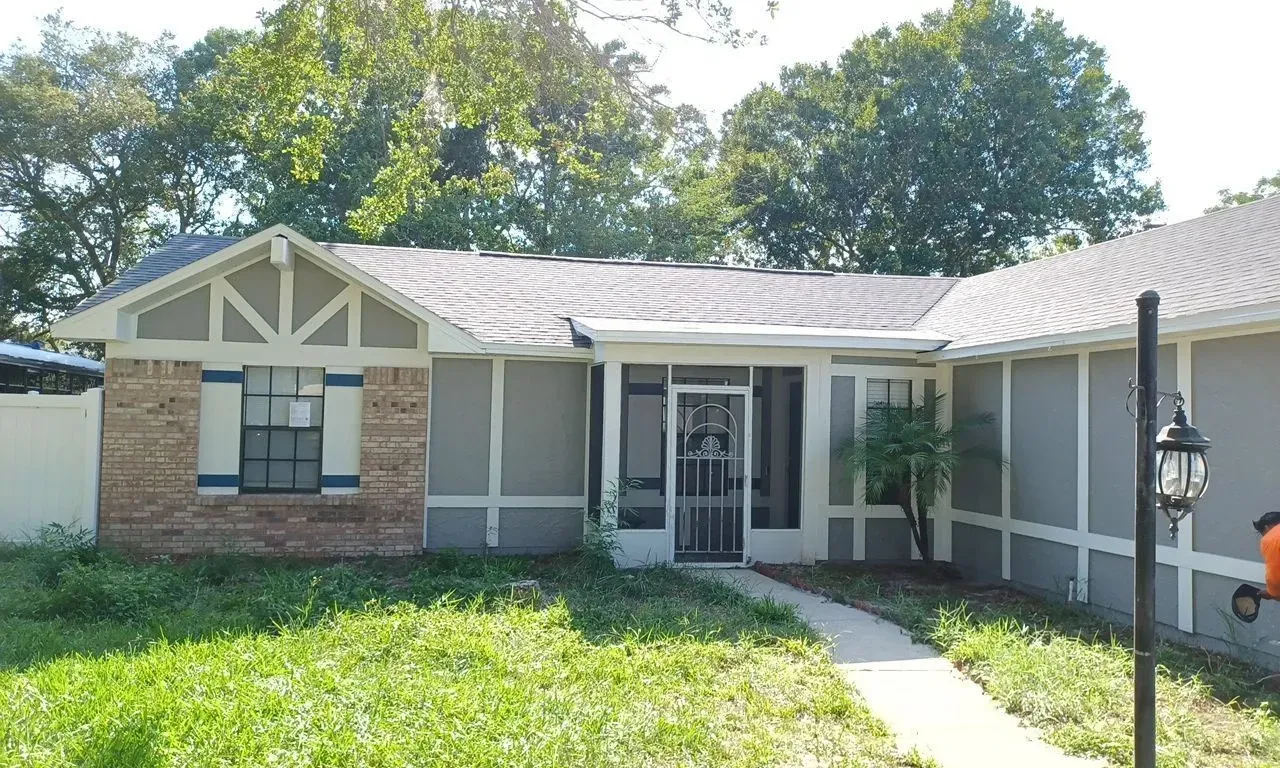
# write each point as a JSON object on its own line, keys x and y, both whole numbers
{"x": 909, "y": 458}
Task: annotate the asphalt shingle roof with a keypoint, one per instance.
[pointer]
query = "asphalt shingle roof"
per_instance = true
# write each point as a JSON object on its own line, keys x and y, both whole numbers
{"x": 521, "y": 299}
{"x": 528, "y": 300}
{"x": 1222, "y": 261}
{"x": 1225, "y": 260}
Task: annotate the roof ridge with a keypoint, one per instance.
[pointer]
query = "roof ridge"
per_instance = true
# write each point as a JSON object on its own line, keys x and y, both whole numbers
{"x": 640, "y": 262}
{"x": 584, "y": 259}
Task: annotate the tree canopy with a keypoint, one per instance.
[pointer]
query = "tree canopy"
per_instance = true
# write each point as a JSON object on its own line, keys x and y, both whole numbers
{"x": 101, "y": 157}
{"x": 969, "y": 140}
{"x": 948, "y": 147}
{"x": 1267, "y": 186}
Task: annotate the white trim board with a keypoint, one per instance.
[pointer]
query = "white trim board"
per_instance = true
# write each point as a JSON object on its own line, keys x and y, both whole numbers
{"x": 1230, "y": 567}
{"x": 102, "y": 322}
{"x": 606, "y": 330}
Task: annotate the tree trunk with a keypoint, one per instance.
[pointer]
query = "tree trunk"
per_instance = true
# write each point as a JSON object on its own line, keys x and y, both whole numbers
{"x": 919, "y": 523}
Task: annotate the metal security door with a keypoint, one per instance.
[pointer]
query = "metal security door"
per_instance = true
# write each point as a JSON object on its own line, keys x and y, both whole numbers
{"x": 708, "y": 473}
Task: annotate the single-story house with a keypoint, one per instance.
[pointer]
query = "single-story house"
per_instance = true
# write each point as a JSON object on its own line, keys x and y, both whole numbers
{"x": 272, "y": 394}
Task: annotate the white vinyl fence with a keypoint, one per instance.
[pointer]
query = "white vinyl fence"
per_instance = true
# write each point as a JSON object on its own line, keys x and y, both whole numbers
{"x": 49, "y": 451}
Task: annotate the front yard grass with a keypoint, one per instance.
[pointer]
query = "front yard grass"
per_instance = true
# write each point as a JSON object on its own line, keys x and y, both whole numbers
{"x": 422, "y": 661}
{"x": 1066, "y": 671}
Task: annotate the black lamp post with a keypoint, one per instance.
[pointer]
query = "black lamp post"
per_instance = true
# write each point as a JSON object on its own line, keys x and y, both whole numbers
{"x": 1170, "y": 471}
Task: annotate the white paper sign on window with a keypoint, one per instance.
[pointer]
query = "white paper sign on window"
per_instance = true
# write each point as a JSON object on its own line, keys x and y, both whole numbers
{"x": 300, "y": 414}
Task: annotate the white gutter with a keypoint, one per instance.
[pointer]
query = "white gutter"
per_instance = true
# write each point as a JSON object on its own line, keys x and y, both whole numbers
{"x": 604, "y": 330}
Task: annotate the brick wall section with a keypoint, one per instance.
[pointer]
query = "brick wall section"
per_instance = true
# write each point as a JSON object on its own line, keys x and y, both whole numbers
{"x": 150, "y": 429}
{"x": 149, "y": 503}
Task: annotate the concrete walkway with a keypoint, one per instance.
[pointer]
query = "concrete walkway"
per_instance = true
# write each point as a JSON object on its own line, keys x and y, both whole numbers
{"x": 929, "y": 705}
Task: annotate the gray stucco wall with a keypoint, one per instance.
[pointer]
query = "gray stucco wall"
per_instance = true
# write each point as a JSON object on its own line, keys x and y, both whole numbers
{"x": 1111, "y": 437}
{"x": 236, "y": 328}
{"x": 1211, "y": 596}
{"x": 1111, "y": 586}
{"x": 462, "y": 529}
{"x": 544, "y": 422}
{"x": 1045, "y": 565}
{"x": 1234, "y": 385}
{"x": 313, "y": 287}
{"x": 978, "y": 389}
{"x": 843, "y": 392}
{"x": 1043, "y": 446}
{"x": 259, "y": 285}
{"x": 461, "y": 390}
{"x": 332, "y": 332}
{"x": 840, "y": 539}
{"x": 888, "y": 539}
{"x": 539, "y": 531}
{"x": 382, "y": 326}
{"x": 186, "y": 318}
{"x": 976, "y": 551}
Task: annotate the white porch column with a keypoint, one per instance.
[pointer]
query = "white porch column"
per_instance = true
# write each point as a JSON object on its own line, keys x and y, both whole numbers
{"x": 610, "y": 446}
{"x": 815, "y": 486}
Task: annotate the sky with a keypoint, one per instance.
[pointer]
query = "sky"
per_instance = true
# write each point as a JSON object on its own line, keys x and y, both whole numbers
{"x": 1203, "y": 73}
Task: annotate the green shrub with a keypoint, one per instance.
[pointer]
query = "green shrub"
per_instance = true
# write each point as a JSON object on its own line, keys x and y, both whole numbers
{"x": 110, "y": 590}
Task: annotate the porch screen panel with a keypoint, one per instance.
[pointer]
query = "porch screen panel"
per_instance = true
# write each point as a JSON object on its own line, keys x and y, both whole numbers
{"x": 641, "y": 505}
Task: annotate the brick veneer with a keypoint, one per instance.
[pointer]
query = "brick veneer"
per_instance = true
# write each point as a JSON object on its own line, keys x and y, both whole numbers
{"x": 149, "y": 504}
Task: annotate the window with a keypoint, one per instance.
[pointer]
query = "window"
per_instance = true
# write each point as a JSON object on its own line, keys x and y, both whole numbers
{"x": 282, "y": 426}
{"x": 883, "y": 396}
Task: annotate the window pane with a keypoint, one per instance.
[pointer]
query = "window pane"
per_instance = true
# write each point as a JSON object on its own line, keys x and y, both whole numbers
{"x": 255, "y": 474}
{"x": 309, "y": 445}
{"x": 284, "y": 381}
{"x": 257, "y": 380}
{"x": 308, "y": 474}
{"x": 280, "y": 474}
{"x": 255, "y": 410}
{"x": 255, "y": 444}
{"x": 311, "y": 381}
{"x": 281, "y": 444}
{"x": 900, "y": 393}
{"x": 877, "y": 391}
{"x": 280, "y": 411}
{"x": 317, "y": 409}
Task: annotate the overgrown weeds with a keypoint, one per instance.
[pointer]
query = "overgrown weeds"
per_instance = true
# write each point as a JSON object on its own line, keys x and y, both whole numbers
{"x": 424, "y": 661}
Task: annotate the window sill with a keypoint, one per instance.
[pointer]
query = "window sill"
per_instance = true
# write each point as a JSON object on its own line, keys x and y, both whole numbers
{"x": 279, "y": 500}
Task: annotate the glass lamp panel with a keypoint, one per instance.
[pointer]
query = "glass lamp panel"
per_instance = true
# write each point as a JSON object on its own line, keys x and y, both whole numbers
{"x": 1169, "y": 474}
{"x": 1197, "y": 475}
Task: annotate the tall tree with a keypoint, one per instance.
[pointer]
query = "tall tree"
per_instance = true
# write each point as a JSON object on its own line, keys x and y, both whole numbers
{"x": 455, "y": 126}
{"x": 101, "y": 156}
{"x": 1267, "y": 186}
{"x": 948, "y": 146}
